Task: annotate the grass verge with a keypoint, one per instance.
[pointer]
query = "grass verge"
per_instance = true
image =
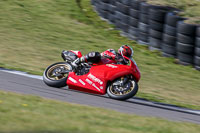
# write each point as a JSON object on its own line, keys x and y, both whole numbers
{"x": 189, "y": 8}
{"x": 31, "y": 114}
{"x": 33, "y": 34}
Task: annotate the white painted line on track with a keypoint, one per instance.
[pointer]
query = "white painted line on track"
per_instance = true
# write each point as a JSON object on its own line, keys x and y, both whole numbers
{"x": 22, "y": 73}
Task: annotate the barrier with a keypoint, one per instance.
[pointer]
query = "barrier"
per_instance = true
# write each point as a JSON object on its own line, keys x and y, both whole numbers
{"x": 159, "y": 27}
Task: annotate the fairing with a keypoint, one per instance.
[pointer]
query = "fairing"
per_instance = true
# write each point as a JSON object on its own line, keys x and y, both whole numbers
{"x": 78, "y": 53}
{"x": 96, "y": 80}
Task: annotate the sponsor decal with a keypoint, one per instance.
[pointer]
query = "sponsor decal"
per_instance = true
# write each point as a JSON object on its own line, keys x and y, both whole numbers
{"x": 93, "y": 84}
{"x": 88, "y": 81}
{"x": 73, "y": 80}
{"x": 95, "y": 79}
{"x": 112, "y": 66}
{"x": 96, "y": 87}
{"x": 81, "y": 81}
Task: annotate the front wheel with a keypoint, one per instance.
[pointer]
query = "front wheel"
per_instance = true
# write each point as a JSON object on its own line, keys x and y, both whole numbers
{"x": 56, "y": 74}
{"x": 121, "y": 90}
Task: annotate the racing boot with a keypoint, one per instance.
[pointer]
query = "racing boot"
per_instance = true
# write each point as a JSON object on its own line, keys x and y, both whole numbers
{"x": 76, "y": 62}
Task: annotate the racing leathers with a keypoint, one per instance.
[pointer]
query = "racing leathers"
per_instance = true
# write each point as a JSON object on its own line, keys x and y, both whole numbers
{"x": 96, "y": 57}
{"x": 113, "y": 55}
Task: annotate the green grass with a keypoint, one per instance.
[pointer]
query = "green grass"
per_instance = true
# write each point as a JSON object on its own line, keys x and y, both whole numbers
{"x": 31, "y": 114}
{"x": 189, "y": 8}
{"x": 33, "y": 34}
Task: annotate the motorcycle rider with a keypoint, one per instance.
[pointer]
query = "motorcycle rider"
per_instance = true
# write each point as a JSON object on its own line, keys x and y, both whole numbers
{"x": 111, "y": 54}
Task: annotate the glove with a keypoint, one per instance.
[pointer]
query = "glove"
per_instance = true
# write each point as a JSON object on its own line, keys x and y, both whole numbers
{"x": 107, "y": 56}
{"x": 121, "y": 60}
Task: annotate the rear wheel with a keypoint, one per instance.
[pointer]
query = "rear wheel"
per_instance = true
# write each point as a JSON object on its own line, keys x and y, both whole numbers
{"x": 56, "y": 74}
{"x": 122, "y": 89}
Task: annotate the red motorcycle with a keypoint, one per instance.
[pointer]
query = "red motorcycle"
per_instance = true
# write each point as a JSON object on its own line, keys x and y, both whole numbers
{"x": 117, "y": 80}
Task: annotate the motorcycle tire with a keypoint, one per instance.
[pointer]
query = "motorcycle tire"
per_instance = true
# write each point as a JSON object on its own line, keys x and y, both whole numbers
{"x": 197, "y": 51}
{"x": 134, "y": 13}
{"x": 185, "y": 39}
{"x": 197, "y": 42}
{"x": 133, "y": 31}
{"x": 143, "y": 27}
{"x": 157, "y": 15}
{"x": 171, "y": 19}
{"x": 144, "y": 18}
{"x": 169, "y": 40}
{"x": 60, "y": 81}
{"x": 156, "y": 25}
{"x": 197, "y": 60}
{"x": 133, "y": 22}
{"x": 185, "y": 59}
{"x": 143, "y": 37}
{"x": 170, "y": 30}
{"x": 130, "y": 94}
{"x": 144, "y": 7}
{"x": 198, "y": 31}
{"x": 135, "y": 4}
{"x": 123, "y": 8}
{"x": 155, "y": 43}
{"x": 186, "y": 29}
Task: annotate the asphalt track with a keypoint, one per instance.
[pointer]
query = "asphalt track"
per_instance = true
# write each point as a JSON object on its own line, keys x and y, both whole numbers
{"x": 29, "y": 84}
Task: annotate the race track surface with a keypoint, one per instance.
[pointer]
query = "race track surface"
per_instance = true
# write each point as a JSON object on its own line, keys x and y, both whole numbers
{"x": 35, "y": 86}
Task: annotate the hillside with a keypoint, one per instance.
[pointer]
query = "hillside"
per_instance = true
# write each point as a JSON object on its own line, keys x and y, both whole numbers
{"x": 33, "y": 34}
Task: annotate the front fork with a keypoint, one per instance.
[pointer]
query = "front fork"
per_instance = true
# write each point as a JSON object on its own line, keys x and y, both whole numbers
{"x": 124, "y": 79}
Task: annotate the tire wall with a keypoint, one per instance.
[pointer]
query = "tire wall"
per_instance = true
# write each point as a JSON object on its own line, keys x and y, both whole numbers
{"x": 158, "y": 27}
{"x": 197, "y": 50}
